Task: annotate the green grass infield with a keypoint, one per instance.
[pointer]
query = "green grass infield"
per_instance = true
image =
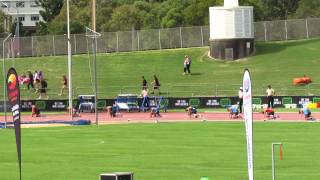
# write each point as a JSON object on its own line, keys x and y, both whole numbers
{"x": 163, "y": 151}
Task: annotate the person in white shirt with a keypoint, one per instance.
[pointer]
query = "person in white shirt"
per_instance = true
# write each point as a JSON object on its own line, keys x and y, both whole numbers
{"x": 270, "y": 94}
{"x": 240, "y": 96}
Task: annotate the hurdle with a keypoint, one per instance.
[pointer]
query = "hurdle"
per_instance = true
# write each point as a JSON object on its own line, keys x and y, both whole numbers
{"x": 272, "y": 156}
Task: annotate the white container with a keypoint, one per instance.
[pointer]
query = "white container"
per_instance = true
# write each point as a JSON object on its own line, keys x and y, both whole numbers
{"x": 231, "y": 22}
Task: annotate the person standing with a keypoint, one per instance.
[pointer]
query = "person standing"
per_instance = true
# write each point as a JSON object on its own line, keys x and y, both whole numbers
{"x": 186, "y": 65}
{"x": 64, "y": 83}
{"x": 30, "y": 84}
{"x": 43, "y": 89}
{"x": 144, "y": 83}
{"x": 270, "y": 94}
{"x": 240, "y": 99}
{"x": 156, "y": 84}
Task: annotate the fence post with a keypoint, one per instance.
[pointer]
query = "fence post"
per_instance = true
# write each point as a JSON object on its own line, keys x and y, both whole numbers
{"x": 117, "y": 41}
{"x": 138, "y": 40}
{"x": 286, "y": 29}
{"x": 180, "y": 37}
{"x": 265, "y": 31}
{"x": 32, "y": 51}
{"x": 53, "y": 46}
{"x": 160, "y": 40}
{"x": 75, "y": 44}
{"x": 202, "y": 43}
{"x": 307, "y": 29}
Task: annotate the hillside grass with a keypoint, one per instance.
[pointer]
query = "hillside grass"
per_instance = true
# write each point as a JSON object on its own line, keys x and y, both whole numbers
{"x": 163, "y": 151}
{"x": 275, "y": 63}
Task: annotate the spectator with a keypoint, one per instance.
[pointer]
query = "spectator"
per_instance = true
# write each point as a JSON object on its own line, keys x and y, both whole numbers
{"x": 40, "y": 75}
{"x": 144, "y": 94}
{"x": 186, "y": 65}
{"x": 144, "y": 83}
{"x": 36, "y": 76}
{"x": 64, "y": 83}
{"x": 30, "y": 84}
{"x": 37, "y": 85}
{"x": 270, "y": 93}
{"x": 156, "y": 85}
{"x": 43, "y": 89}
{"x": 240, "y": 96}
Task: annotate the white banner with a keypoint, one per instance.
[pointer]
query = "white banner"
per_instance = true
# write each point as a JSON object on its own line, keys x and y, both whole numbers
{"x": 247, "y": 110}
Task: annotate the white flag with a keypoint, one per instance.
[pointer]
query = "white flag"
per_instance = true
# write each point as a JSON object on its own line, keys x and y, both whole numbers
{"x": 247, "y": 110}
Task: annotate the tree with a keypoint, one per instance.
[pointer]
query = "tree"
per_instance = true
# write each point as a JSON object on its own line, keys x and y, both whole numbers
{"x": 308, "y": 8}
{"x": 51, "y": 8}
{"x": 125, "y": 17}
{"x": 279, "y": 9}
{"x": 2, "y": 19}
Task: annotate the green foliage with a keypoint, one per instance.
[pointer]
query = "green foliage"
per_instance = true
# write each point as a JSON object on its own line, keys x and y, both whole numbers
{"x": 51, "y": 8}
{"x": 119, "y": 15}
{"x": 308, "y": 8}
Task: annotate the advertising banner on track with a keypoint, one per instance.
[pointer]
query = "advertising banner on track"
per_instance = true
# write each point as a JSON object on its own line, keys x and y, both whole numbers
{"x": 14, "y": 101}
{"x": 247, "y": 110}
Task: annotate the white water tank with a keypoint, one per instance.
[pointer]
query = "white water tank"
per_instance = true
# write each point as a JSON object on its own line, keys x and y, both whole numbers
{"x": 231, "y": 22}
{"x": 231, "y": 31}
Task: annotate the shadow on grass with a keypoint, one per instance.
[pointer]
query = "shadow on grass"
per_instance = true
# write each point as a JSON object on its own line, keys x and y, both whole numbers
{"x": 277, "y": 46}
{"x": 196, "y": 74}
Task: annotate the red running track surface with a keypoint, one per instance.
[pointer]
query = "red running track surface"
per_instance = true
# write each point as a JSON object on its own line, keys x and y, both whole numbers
{"x": 125, "y": 117}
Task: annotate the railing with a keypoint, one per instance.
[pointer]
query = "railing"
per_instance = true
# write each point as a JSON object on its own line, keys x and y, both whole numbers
{"x": 156, "y": 39}
{"x": 177, "y": 90}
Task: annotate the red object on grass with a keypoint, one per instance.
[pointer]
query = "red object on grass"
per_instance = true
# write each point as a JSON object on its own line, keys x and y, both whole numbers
{"x": 302, "y": 80}
{"x": 281, "y": 152}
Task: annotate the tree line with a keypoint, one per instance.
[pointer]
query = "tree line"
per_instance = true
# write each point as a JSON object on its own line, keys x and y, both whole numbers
{"x": 122, "y": 15}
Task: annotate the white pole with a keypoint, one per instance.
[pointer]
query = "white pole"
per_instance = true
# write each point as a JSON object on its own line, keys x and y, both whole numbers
{"x": 307, "y": 29}
{"x": 94, "y": 45}
{"x": 4, "y": 82}
{"x": 273, "y": 161}
{"x": 69, "y": 61}
{"x": 180, "y": 37}
{"x": 272, "y": 156}
{"x": 286, "y": 29}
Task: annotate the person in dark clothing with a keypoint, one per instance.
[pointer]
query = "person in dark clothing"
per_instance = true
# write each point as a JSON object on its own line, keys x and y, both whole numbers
{"x": 240, "y": 96}
{"x": 43, "y": 89}
{"x": 30, "y": 84}
{"x": 144, "y": 83}
{"x": 156, "y": 84}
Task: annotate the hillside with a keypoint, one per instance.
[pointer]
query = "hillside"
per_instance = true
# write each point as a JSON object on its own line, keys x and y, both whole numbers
{"x": 275, "y": 63}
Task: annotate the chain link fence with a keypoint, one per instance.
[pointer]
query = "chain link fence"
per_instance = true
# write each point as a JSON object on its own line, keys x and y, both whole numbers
{"x": 155, "y": 39}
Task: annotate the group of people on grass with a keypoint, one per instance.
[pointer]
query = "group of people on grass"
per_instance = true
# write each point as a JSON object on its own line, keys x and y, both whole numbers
{"x": 36, "y": 82}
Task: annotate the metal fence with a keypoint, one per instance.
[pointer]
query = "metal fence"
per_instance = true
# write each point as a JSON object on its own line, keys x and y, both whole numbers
{"x": 176, "y": 90}
{"x": 155, "y": 39}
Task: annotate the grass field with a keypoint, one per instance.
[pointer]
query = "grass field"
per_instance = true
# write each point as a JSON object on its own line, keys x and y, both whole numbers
{"x": 164, "y": 151}
{"x": 275, "y": 63}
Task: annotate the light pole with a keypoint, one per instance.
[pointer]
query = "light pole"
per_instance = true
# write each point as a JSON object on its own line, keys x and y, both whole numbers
{"x": 4, "y": 81}
{"x": 17, "y": 30}
{"x": 69, "y": 62}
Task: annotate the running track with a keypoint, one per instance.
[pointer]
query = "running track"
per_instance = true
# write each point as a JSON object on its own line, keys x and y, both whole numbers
{"x": 165, "y": 117}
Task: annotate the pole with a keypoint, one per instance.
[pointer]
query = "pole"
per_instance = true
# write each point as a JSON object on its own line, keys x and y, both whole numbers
{"x": 94, "y": 47}
{"x": 94, "y": 15}
{"x": 4, "y": 81}
{"x": 273, "y": 161}
{"x": 69, "y": 62}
